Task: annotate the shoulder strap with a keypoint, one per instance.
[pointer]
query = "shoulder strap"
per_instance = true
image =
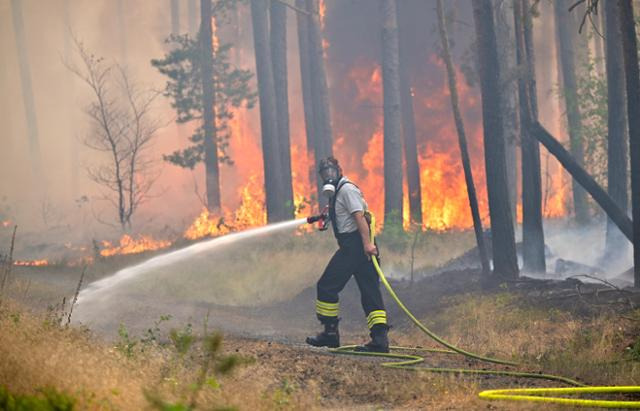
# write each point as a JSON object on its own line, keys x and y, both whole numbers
{"x": 332, "y": 206}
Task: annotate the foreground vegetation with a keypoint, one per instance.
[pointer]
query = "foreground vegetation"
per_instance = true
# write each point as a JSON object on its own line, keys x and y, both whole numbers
{"x": 189, "y": 368}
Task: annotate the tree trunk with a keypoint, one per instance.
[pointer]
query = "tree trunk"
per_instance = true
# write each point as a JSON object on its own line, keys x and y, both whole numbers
{"x": 273, "y": 184}
{"x": 584, "y": 179}
{"x": 392, "y": 117}
{"x": 27, "y": 95}
{"x": 192, "y": 15}
{"x": 462, "y": 142}
{"x": 617, "y": 146}
{"x": 509, "y": 103}
{"x": 212, "y": 173}
{"x": 532, "y": 229}
{"x": 567, "y": 62}
{"x": 319, "y": 91}
{"x": 505, "y": 263}
{"x": 598, "y": 33}
{"x": 409, "y": 133}
{"x": 74, "y": 165}
{"x": 279, "y": 59}
{"x": 175, "y": 17}
{"x": 122, "y": 33}
{"x": 307, "y": 101}
{"x": 632, "y": 77}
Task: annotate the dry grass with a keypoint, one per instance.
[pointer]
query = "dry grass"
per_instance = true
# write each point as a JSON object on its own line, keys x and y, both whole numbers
{"x": 545, "y": 339}
{"x": 255, "y": 272}
{"x": 34, "y": 354}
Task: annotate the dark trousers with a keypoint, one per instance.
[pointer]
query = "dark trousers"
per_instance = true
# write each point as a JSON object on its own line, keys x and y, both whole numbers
{"x": 349, "y": 260}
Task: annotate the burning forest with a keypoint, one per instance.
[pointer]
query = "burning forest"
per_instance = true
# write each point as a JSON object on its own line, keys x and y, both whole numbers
{"x": 233, "y": 163}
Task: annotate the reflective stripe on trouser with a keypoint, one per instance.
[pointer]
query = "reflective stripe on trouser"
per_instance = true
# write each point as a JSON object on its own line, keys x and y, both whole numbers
{"x": 376, "y": 317}
{"x": 348, "y": 261}
{"x": 327, "y": 309}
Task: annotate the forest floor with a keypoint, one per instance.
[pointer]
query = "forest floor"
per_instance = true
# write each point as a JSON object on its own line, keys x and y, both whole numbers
{"x": 149, "y": 352}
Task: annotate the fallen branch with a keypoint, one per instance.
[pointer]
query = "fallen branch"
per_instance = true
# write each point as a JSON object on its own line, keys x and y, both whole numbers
{"x": 75, "y": 296}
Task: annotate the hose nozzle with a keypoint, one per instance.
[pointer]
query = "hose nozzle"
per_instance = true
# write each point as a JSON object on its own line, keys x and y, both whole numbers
{"x": 322, "y": 219}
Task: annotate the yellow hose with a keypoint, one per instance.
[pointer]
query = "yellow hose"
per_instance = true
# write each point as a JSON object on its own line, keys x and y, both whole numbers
{"x": 409, "y": 362}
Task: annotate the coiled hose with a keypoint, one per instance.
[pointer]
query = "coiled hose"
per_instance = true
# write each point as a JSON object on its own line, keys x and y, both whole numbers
{"x": 409, "y": 362}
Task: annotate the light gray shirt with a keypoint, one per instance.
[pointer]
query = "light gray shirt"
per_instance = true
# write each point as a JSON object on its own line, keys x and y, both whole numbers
{"x": 348, "y": 201}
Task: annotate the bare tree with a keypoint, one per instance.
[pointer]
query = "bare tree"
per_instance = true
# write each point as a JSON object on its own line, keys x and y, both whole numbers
{"x": 392, "y": 117}
{"x": 304, "y": 51}
{"x": 27, "y": 94}
{"x": 123, "y": 129}
{"x": 632, "y": 78}
{"x": 323, "y": 131}
{"x": 462, "y": 141}
{"x": 274, "y": 186}
{"x": 533, "y": 259}
{"x": 278, "y": 39}
{"x": 505, "y": 263}
{"x": 211, "y": 161}
{"x": 412, "y": 168}
{"x": 618, "y": 160}
{"x": 505, "y": 38}
{"x": 175, "y": 17}
{"x": 192, "y": 17}
{"x": 567, "y": 58}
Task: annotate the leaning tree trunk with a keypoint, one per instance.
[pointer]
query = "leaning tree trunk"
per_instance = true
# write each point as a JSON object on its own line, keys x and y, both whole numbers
{"x": 532, "y": 230}
{"x": 632, "y": 78}
{"x": 212, "y": 172}
{"x": 505, "y": 262}
{"x": 276, "y": 210}
{"x": 583, "y": 178}
{"x": 175, "y": 17}
{"x": 409, "y": 131}
{"x": 570, "y": 89}
{"x": 392, "y": 117}
{"x": 305, "y": 76}
{"x": 27, "y": 95}
{"x": 319, "y": 91}
{"x": 462, "y": 141}
{"x": 279, "y": 59}
{"x": 617, "y": 146}
{"x": 509, "y": 95}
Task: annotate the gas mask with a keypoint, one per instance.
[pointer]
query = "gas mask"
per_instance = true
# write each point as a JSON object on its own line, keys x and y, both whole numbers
{"x": 330, "y": 175}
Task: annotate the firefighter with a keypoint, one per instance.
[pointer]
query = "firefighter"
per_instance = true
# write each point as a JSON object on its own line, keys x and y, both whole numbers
{"x": 348, "y": 214}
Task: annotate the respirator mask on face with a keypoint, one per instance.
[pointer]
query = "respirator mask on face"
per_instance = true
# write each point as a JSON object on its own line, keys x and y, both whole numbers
{"x": 330, "y": 175}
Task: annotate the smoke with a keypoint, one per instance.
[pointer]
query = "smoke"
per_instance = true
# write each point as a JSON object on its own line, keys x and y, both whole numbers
{"x": 581, "y": 250}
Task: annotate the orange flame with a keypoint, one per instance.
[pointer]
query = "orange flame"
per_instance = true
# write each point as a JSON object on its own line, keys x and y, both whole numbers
{"x": 31, "y": 263}
{"x": 250, "y": 213}
{"x": 129, "y": 245}
{"x": 445, "y": 204}
{"x": 6, "y": 223}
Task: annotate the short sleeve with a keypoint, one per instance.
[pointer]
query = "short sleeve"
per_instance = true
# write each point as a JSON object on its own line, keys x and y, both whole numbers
{"x": 352, "y": 198}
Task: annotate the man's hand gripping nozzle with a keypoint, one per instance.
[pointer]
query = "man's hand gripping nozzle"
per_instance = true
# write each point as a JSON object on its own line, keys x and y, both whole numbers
{"x": 322, "y": 219}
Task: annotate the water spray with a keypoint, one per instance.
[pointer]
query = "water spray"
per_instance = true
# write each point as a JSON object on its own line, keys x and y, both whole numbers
{"x": 102, "y": 289}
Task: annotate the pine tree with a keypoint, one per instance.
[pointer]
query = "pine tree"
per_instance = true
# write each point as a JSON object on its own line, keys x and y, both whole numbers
{"x": 184, "y": 66}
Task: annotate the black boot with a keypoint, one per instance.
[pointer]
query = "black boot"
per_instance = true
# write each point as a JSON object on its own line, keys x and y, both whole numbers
{"x": 379, "y": 341}
{"x": 330, "y": 337}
